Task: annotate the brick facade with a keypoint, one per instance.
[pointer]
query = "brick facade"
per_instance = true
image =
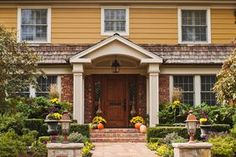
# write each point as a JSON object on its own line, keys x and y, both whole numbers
{"x": 67, "y": 87}
{"x": 164, "y": 88}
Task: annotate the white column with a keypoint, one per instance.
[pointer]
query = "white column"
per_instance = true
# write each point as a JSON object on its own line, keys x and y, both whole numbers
{"x": 78, "y": 94}
{"x": 197, "y": 90}
{"x": 153, "y": 71}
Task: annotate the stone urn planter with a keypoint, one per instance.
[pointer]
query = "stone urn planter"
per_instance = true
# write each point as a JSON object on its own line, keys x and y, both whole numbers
{"x": 205, "y": 131}
{"x": 52, "y": 126}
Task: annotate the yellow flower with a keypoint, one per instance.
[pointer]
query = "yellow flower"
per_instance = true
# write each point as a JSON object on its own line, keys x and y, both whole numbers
{"x": 203, "y": 120}
{"x": 54, "y": 116}
{"x": 54, "y": 100}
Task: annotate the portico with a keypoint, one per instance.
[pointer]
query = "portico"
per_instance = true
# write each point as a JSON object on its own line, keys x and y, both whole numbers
{"x": 134, "y": 60}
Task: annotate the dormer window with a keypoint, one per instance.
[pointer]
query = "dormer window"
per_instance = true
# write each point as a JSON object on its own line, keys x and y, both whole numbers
{"x": 34, "y": 25}
{"x": 115, "y": 20}
{"x": 194, "y": 26}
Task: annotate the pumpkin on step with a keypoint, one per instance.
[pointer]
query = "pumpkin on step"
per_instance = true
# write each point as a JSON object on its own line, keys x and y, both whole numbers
{"x": 100, "y": 126}
{"x": 143, "y": 129}
{"x": 137, "y": 125}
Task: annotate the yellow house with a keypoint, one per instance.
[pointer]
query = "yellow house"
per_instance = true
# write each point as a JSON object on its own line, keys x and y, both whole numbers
{"x": 123, "y": 58}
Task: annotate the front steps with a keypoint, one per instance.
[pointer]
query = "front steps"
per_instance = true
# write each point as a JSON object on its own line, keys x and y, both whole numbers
{"x": 117, "y": 135}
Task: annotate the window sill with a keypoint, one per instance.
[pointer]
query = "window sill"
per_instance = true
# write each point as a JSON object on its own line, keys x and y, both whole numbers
{"x": 112, "y": 33}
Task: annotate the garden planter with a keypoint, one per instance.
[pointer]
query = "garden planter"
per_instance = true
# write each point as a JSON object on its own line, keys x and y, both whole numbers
{"x": 205, "y": 131}
{"x": 137, "y": 125}
{"x": 52, "y": 126}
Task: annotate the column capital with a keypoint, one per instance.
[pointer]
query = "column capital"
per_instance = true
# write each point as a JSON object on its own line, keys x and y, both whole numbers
{"x": 78, "y": 68}
{"x": 153, "y": 68}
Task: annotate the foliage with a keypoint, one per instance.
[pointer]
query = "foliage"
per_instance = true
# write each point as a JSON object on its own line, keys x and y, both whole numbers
{"x": 54, "y": 116}
{"x": 39, "y": 149}
{"x": 98, "y": 119}
{"x": 223, "y": 146}
{"x": 153, "y": 146}
{"x": 233, "y": 131}
{"x": 37, "y": 124}
{"x": 18, "y": 65}
{"x": 137, "y": 119}
{"x": 12, "y": 121}
{"x": 165, "y": 151}
{"x": 220, "y": 127}
{"x": 160, "y": 132}
{"x": 80, "y": 128}
{"x": 173, "y": 112}
{"x": 86, "y": 149}
{"x": 28, "y": 136}
{"x": 172, "y": 138}
{"x": 225, "y": 87}
{"x": 44, "y": 139}
{"x": 76, "y": 137}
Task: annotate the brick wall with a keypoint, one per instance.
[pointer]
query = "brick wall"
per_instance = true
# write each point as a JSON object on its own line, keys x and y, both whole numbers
{"x": 164, "y": 88}
{"x": 67, "y": 87}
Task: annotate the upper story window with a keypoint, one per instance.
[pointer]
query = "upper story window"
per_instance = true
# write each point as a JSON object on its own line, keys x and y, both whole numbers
{"x": 194, "y": 26}
{"x": 115, "y": 20}
{"x": 34, "y": 25}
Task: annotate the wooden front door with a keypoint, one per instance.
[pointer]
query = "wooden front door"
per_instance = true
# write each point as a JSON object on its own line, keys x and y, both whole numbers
{"x": 115, "y": 100}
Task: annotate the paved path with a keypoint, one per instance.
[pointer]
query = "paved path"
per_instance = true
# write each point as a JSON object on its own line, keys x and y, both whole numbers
{"x": 122, "y": 150}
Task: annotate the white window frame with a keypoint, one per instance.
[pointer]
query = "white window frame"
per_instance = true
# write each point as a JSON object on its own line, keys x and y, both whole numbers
{"x": 103, "y": 32}
{"x": 208, "y": 18}
{"x": 49, "y": 16}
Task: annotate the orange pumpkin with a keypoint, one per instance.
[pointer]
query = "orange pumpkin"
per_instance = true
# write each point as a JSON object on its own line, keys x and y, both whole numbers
{"x": 143, "y": 129}
{"x": 100, "y": 126}
{"x": 137, "y": 125}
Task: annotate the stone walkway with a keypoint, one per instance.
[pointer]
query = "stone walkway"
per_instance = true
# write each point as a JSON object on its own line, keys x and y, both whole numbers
{"x": 122, "y": 150}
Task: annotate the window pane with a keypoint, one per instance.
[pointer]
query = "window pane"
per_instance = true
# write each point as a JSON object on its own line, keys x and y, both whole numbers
{"x": 194, "y": 25}
{"x": 185, "y": 83}
{"x": 207, "y": 95}
{"x": 34, "y": 24}
{"x": 115, "y": 20}
{"x": 44, "y": 85}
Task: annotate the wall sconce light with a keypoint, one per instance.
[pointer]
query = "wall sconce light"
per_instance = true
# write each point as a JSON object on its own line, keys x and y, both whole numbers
{"x": 115, "y": 65}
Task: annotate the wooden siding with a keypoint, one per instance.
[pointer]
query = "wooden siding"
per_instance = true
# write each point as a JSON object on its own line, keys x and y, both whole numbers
{"x": 146, "y": 25}
{"x": 223, "y": 26}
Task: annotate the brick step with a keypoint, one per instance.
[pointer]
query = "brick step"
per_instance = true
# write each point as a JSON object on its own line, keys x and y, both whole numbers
{"x": 99, "y": 135}
{"x": 115, "y": 130}
{"x": 118, "y": 140}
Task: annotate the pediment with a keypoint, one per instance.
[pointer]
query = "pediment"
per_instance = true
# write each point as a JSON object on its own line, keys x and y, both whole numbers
{"x": 114, "y": 46}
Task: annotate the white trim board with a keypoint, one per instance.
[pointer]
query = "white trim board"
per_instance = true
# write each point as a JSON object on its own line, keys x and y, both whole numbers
{"x": 49, "y": 16}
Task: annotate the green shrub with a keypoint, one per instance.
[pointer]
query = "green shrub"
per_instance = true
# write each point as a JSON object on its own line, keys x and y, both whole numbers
{"x": 75, "y": 137}
{"x": 160, "y": 132}
{"x": 153, "y": 146}
{"x": 12, "y": 121}
{"x": 172, "y": 138}
{"x": 28, "y": 136}
{"x": 223, "y": 146}
{"x": 220, "y": 127}
{"x": 165, "y": 151}
{"x": 233, "y": 131}
{"x": 39, "y": 149}
{"x": 44, "y": 139}
{"x": 83, "y": 129}
{"x": 86, "y": 149}
{"x": 37, "y": 124}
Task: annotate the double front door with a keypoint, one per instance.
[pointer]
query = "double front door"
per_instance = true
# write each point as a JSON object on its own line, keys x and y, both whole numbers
{"x": 114, "y": 98}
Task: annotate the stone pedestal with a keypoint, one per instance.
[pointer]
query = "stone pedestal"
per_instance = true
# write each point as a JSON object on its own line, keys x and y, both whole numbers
{"x": 64, "y": 150}
{"x": 192, "y": 149}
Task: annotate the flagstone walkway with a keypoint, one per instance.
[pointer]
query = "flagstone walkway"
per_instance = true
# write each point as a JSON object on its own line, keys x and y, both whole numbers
{"x": 122, "y": 150}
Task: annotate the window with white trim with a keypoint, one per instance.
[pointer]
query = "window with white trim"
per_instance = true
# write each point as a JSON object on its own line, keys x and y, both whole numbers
{"x": 194, "y": 26}
{"x": 186, "y": 84}
{"x": 44, "y": 84}
{"x": 114, "y": 20}
{"x": 34, "y": 25}
{"x": 207, "y": 94}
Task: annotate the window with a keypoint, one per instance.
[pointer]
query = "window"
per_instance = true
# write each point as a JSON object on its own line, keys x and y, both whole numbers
{"x": 44, "y": 84}
{"x": 207, "y": 95}
{"x": 194, "y": 26}
{"x": 185, "y": 83}
{"x": 114, "y": 20}
{"x": 34, "y": 25}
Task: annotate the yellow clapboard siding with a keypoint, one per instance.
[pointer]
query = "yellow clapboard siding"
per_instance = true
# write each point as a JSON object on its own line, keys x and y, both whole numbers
{"x": 223, "y": 27}
{"x": 8, "y": 17}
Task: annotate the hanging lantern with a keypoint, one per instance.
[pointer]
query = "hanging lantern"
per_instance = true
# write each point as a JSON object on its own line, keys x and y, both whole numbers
{"x": 115, "y": 66}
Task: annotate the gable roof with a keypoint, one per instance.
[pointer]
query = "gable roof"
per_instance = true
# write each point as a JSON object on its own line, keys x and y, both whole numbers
{"x": 149, "y": 56}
